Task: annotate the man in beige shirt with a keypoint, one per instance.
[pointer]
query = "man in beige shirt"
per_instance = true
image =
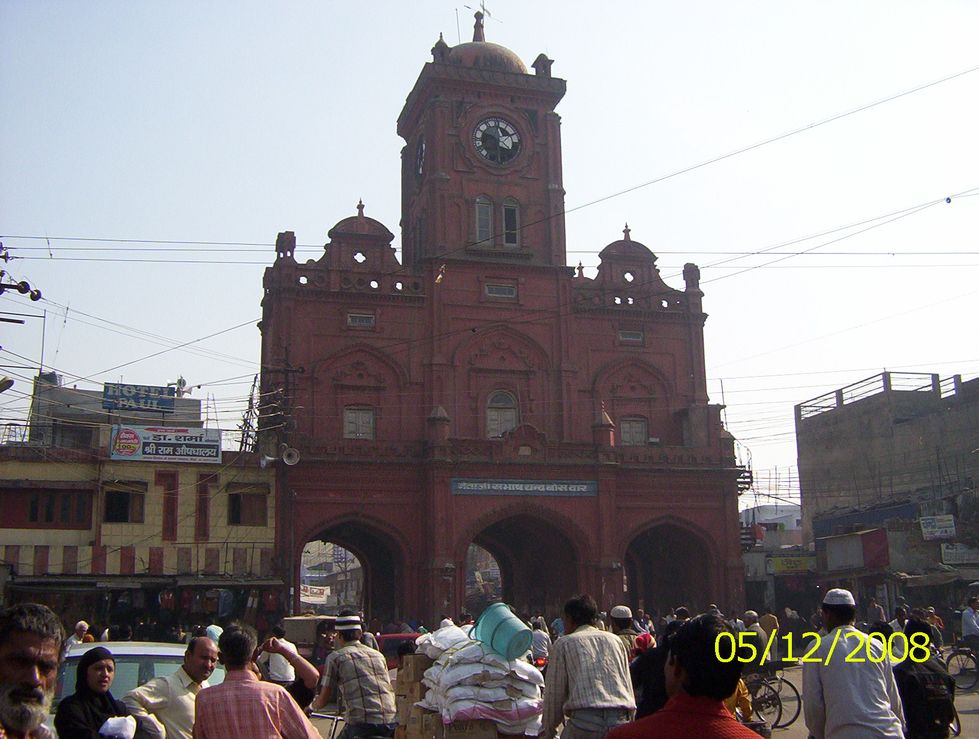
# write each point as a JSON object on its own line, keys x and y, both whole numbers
{"x": 588, "y": 685}
{"x": 165, "y": 705}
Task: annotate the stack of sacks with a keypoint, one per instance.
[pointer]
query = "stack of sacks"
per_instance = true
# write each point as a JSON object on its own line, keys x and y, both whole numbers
{"x": 468, "y": 681}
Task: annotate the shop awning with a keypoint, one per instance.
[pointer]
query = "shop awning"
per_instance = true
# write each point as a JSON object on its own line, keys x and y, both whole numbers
{"x": 225, "y": 582}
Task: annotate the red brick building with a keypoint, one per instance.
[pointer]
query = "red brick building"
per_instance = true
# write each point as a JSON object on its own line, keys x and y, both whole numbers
{"x": 483, "y": 391}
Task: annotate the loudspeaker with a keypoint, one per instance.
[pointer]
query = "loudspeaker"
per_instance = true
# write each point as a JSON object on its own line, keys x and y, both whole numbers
{"x": 290, "y": 456}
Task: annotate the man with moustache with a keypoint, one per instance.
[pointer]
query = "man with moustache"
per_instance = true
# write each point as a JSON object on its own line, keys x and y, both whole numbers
{"x": 30, "y": 652}
{"x": 164, "y": 706}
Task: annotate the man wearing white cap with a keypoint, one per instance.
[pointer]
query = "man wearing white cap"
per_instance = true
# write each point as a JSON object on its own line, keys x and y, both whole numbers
{"x": 849, "y": 699}
{"x": 621, "y": 617}
{"x": 360, "y": 674}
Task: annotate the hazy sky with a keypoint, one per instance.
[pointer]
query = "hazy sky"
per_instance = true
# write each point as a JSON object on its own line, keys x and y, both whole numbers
{"x": 128, "y": 124}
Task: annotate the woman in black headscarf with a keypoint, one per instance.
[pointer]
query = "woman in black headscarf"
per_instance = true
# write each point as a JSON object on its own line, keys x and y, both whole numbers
{"x": 82, "y": 714}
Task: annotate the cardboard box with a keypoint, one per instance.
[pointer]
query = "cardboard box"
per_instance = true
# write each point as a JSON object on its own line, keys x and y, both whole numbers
{"x": 415, "y": 692}
{"x": 401, "y": 733}
{"x": 476, "y": 729}
{"x": 422, "y": 725}
{"x": 432, "y": 726}
{"x": 403, "y": 705}
{"x": 413, "y": 667}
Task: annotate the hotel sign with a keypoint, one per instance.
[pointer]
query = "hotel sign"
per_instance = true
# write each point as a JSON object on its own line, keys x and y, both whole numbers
{"x": 119, "y": 397}
{"x": 542, "y": 488}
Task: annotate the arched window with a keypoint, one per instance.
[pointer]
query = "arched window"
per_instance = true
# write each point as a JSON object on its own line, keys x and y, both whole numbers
{"x": 511, "y": 222}
{"x": 484, "y": 221}
{"x": 501, "y": 413}
{"x": 633, "y": 432}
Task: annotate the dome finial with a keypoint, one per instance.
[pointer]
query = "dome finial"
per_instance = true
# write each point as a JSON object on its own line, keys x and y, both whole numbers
{"x": 625, "y": 233}
{"x": 360, "y": 207}
{"x": 478, "y": 34}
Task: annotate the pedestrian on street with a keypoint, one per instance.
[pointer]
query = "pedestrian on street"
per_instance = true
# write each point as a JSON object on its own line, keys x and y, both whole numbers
{"x": 927, "y": 690}
{"x": 359, "y": 675}
{"x": 697, "y": 683}
{"x": 844, "y": 699}
{"x": 280, "y": 671}
{"x": 588, "y": 685}
{"x": 970, "y": 624}
{"x": 621, "y": 623}
{"x": 78, "y": 637}
{"x": 84, "y": 713}
{"x": 30, "y": 651}
{"x": 243, "y": 705}
{"x": 166, "y": 704}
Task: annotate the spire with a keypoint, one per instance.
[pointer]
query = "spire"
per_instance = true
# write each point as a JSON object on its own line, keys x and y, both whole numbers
{"x": 360, "y": 207}
{"x": 478, "y": 34}
{"x": 440, "y": 50}
{"x": 625, "y": 233}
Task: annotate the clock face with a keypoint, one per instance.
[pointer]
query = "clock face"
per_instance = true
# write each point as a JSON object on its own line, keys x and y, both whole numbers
{"x": 496, "y": 140}
{"x": 420, "y": 157}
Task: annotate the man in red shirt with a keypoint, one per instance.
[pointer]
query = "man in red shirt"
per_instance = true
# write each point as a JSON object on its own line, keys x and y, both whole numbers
{"x": 697, "y": 683}
{"x": 243, "y": 705}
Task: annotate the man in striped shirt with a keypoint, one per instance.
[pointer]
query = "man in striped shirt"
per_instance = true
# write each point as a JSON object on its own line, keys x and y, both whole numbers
{"x": 243, "y": 705}
{"x": 588, "y": 685}
{"x": 360, "y": 674}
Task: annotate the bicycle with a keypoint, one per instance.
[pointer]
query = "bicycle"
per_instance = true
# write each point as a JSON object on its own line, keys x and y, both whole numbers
{"x": 765, "y": 701}
{"x": 962, "y": 666}
{"x": 768, "y": 687}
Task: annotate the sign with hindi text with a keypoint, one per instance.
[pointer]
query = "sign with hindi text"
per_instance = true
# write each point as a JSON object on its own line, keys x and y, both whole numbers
{"x": 165, "y": 444}
{"x": 545, "y": 488}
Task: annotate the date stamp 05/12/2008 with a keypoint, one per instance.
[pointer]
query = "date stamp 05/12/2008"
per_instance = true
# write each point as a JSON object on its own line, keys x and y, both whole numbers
{"x": 746, "y": 647}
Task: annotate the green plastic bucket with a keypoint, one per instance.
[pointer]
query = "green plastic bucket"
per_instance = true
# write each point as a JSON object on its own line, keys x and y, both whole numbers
{"x": 502, "y": 632}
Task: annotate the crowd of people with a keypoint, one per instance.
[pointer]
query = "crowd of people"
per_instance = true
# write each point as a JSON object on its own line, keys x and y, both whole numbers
{"x": 617, "y": 675}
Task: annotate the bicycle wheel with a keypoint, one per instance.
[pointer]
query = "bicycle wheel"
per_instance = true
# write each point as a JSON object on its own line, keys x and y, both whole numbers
{"x": 765, "y": 702}
{"x": 962, "y": 667}
{"x": 788, "y": 695}
{"x": 955, "y": 728}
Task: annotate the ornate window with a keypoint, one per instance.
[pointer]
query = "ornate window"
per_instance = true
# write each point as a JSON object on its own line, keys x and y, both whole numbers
{"x": 633, "y": 432}
{"x": 511, "y": 222}
{"x": 358, "y": 423}
{"x": 484, "y": 221}
{"x": 501, "y": 413}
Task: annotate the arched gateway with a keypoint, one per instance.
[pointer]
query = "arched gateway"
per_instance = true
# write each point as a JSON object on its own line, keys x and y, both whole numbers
{"x": 538, "y": 559}
{"x": 479, "y": 390}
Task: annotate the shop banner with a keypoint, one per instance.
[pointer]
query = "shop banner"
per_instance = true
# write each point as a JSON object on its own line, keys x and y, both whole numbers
{"x": 959, "y": 554}
{"x": 313, "y": 594}
{"x": 165, "y": 444}
{"x": 119, "y": 397}
{"x": 937, "y": 527}
{"x": 547, "y": 488}
{"x": 792, "y": 565}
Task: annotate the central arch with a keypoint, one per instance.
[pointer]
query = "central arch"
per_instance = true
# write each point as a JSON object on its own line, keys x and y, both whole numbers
{"x": 539, "y": 563}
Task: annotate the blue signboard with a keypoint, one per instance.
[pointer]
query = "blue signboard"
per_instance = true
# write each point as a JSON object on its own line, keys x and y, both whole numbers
{"x": 119, "y": 397}
{"x": 548, "y": 488}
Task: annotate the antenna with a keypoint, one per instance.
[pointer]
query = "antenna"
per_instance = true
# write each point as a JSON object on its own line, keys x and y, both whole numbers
{"x": 482, "y": 9}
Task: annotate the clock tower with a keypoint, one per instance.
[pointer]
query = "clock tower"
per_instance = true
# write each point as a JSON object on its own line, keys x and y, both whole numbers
{"x": 481, "y": 168}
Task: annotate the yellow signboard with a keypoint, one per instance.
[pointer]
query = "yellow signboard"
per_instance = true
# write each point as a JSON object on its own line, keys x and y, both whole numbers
{"x": 792, "y": 565}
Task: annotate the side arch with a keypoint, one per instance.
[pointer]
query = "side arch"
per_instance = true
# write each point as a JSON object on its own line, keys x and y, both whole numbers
{"x": 670, "y": 561}
{"x": 382, "y": 551}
